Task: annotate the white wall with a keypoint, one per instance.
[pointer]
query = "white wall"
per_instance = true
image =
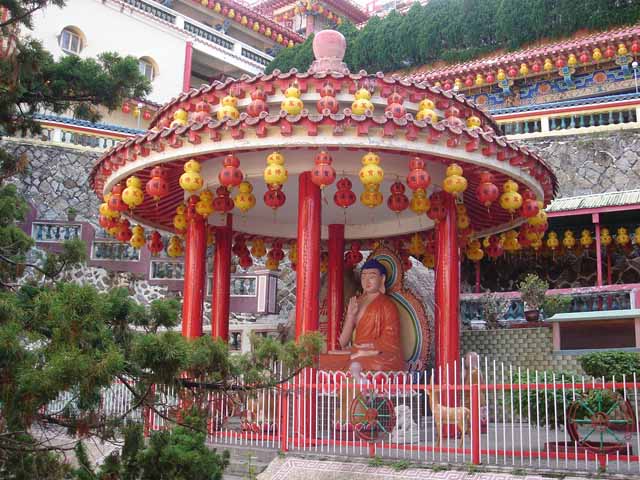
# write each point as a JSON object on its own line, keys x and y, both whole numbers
{"x": 129, "y": 33}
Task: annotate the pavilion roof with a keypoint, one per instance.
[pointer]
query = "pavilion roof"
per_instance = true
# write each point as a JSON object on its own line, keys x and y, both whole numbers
{"x": 596, "y": 200}
{"x": 351, "y": 10}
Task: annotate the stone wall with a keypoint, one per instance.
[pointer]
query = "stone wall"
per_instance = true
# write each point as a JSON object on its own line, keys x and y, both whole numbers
{"x": 530, "y": 348}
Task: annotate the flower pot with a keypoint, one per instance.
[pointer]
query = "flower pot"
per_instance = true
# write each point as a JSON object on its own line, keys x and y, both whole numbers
{"x": 532, "y": 315}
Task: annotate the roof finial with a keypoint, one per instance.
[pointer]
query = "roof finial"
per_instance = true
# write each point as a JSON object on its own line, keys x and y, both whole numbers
{"x": 328, "y": 48}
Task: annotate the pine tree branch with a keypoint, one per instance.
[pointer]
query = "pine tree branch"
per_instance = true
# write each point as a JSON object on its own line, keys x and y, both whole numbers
{"x": 20, "y": 18}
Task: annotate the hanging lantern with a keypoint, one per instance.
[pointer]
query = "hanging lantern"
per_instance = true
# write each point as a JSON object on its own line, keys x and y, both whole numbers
{"x": 245, "y": 261}
{"x": 353, "y": 257}
{"x": 609, "y": 52}
{"x": 394, "y": 105}
{"x": 418, "y": 177}
{"x": 552, "y": 241}
{"x": 175, "y": 248}
{"x": 584, "y": 57}
{"x": 191, "y": 180}
{"x": 115, "y": 202}
{"x": 397, "y": 201}
{"x": 371, "y": 173}
{"x": 548, "y": 65}
{"x": 292, "y": 103}
{"x": 474, "y": 122}
{"x": 104, "y": 209}
{"x": 437, "y": 211}
{"x": 222, "y": 203}
{"x": 158, "y": 185}
{"x": 454, "y": 183}
{"x": 371, "y": 197}
{"x": 344, "y": 197}
{"x": 258, "y": 250}
{"x": 429, "y": 260}
{"x": 323, "y": 174}
{"x": 275, "y": 173}
{"x": 228, "y": 108}
{"x": 529, "y": 208}
{"x": 487, "y": 192}
{"x": 106, "y": 222}
{"x": 204, "y": 206}
{"x": 245, "y": 200}
{"x": 586, "y": 240}
{"x": 258, "y": 103}
{"x": 137, "y": 237}
{"x": 622, "y": 238}
{"x": 126, "y": 108}
{"x": 154, "y": 244}
{"x": 324, "y": 262}
{"x": 474, "y": 251}
{"x": 426, "y": 110}
{"x": 362, "y": 103}
{"x": 133, "y": 195}
{"x": 636, "y": 235}
{"x": 419, "y": 202}
{"x": 510, "y": 200}
{"x": 416, "y": 245}
{"x": 540, "y": 218}
{"x": 510, "y": 241}
{"x": 597, "y": 55}
{"x": 271, "y": 264}
{"x": 494, "y": 247}
{"x": 274, "y": 197}
{"x": 180, "y": 219}
{"x": 452, "y": 115}
{"x": 124, "y": 231}
{"x": 327, "y": 100}
{"x": 568, "y": 240}
{"x": 293, "y": 255}
{"x": 180, "y": 118}
{"x": 479, "y": 81}
{"x": 230, "y": 176}
{"x": 572, "y": 61}
{"x": 524, "y": 69}
{"x": 605, "y": 237}
{"x": 525, "y": 236}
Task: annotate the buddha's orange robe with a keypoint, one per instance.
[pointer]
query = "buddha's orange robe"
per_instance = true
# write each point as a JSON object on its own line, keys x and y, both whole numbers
{"x": 379, "y": 326}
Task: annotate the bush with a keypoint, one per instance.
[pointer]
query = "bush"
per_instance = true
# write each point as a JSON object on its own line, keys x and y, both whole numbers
{"x": 532, "y": 290}
{"x": 556, "y": 304}
{"x": 611, "y": 364}
{"x": 546, "y": 407}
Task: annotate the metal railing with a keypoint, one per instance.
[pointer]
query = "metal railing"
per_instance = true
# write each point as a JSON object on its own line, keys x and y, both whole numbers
{"x": 55, "y": 232}
{"x": 114, "y": 251}
{"x": 154, "y": 10}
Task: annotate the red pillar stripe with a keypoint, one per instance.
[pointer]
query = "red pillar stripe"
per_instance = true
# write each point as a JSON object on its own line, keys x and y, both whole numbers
{"x": 221, "y": 287}
{"x": 596, "y": 219}
{"x": 188, "y": 61}
{"x": 194, "y": 273}
{"x": 335, "y": 294}
{"x": 308, "y": 269}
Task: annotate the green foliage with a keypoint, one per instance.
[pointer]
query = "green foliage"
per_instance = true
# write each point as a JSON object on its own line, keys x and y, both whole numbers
{"x": 460, "y": 30}
{"x": 608, "y": 365}
{"x": 493, "y": 309}
{"x": 532, "y": 290}
{"x": 556, "y": 304}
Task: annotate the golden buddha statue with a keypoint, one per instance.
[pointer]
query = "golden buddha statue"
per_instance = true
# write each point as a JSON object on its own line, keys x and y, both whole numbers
{"x": 371, "y": 330}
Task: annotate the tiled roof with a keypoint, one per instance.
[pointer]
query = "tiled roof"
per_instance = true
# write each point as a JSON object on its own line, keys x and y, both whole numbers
{"x": 567, "y": 103}
{"x": 597, "y": 200}
{"x": 87, "y": 124}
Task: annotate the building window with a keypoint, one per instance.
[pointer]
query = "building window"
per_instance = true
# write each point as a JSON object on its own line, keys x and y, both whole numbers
{"x": 71, "y": 40}
{"x": 146, "y": 67}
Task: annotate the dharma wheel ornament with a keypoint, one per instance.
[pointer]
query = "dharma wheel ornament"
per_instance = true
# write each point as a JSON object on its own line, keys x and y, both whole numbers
{"x": 397, "y": 201}
{"x": 133, "y": 195}
{"x": 418, "y": 177}
{"x": 292, "y": 103}
{"x": 426, "y": 110}
{"x": 323, "y": 174}
{"x": 275, "y": 173}
{"x": 230, "y": 175}
{"x": 191, "y": 180}
{"x": 454, "y": 183}
{"x": 419, "y": 202}
{"x": 154, "y": 244}
{"x": 137, "y": 238}
{"x": 228, "y": 108}
{"x": 362, "y": 103}
{"x": 204, "y": 206}
{"x": 158, "y": 185}
{"x": 245, "y": 200}
{"x": 175, "y": 248}
{"x": 510, "y": 200}
{"x": 344, "y": 196}
{"x": 222, "y": 203}
{"x": 180, "y": 219}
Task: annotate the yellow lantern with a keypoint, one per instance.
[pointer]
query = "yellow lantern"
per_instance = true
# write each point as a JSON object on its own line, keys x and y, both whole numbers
{"x": 175, "y": 249}
{"x": 272, "y": 264}
{"x": 228, "y": 108}
{"x": 605, "y": 237}
{"x": 232, "y": 13}
{"x": 258, "y": 250}
{"x": 510, "y": 241}
{"x": 454, "y": 183}
{"x": 293, "y": 253}
{"x": 463, "y": 221}
{"x": 371, "y": 173}
{"x": 510, "y": 200}
{"x": 217, "y": 8}
{"x": 474, "y": 251}
{"x": 426, "y": 104}
{"x": 419, "y": 201}
{"x": 292, "y": 103}
{"x": 473, "y": 122}
{"x": 104, "y": 209}
{"x": 324, "y": 262}
{"x": 636, "y": 235}
{"x": 371, "y": 197}
{"x": 552, "y": 241}
{"x": 536, "y": 244}
{"x": 416, "y": 245}
{"x": 243, "y": 20}
{"x": 191, "y": 180}
{"x": 275, "y": 174}
{"x": 457, "y": 84}
{"x": 524, "y": 69}
{"x": 245, "y": 200}
{"x": 425, "y": 113}
{"x": 137, "y": 239}
{"x": 133, "y": 195}
{"x": 180, "y": 219}
{"x": 586, "y": 240}
{"x": 362, "y": 102}
{"x": 572, "y": 61}
{"x": 622, "y": 49}
{"x": 180, "y": 118}
{"x": 267, "y": 32}
{"x": 501, "y": 75}
{"x": 568, "y": 240}
{"x": 540, "y": 218}
{"x": 429, "y": 260}
{"x": 597, "y": 55}
{"x": 290, "y": 44}
{"x": 279, "y": 38}
{"x": 548, "y": 65}
{"x": 204, "y": 206}
{"x": 256, "y": 27}
{"x": 479, "y": 80}
{"x": 622, "y": 238}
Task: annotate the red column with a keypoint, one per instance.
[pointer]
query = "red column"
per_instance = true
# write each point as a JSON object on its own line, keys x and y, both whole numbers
{"x": 308, "y": 270}
{"x": 447, "y": 290}
{"x": 188, "y": 60}
{"x": 596, "y": 219}
{"x": 335, "y": 293}
{"x": 194, "y": 272}
{"x": 311, "y": 26}
{"x": 221, "y": 282}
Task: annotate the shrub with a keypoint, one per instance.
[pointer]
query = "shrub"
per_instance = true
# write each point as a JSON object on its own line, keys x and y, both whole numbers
{"x": 532, "y": 290}
{"x": 493, "y": 308}
{"x": 611, "y": 364}
{"x": 553, "y": 304}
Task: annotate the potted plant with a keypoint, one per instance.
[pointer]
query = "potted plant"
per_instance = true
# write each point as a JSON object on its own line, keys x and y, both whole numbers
{"x": 493, "y": 308}
{"x": 532, "y": 291}
{"x": 71, "y": 214}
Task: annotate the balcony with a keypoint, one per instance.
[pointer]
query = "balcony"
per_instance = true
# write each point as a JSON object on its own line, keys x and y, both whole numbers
{"x": 102, "y": 250}
{"x": 55, "y": 232}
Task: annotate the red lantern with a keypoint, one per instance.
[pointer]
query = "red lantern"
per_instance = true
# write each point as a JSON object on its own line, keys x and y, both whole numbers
{"x": 560, "y": 62}
{"x": 146, "y": 115}
{"x": 397, "y": 201}
{"x": 126, "y": 108}
{"x": 274, "y": 197}
{"x": 328, "y": 103}
{"x": 258, "y": 103}
{"x": 203, "y": 112}
{"x": 276, "y": 251}
{"x": 635, "y": 47}
{"x": 323, "y": 173}
{"x": 124, "y": 232}
{"x": 610, "y": 52}
{"x": 512, "y": 71}
{"x": 353, "y": 257}
{"x": 106, "y": 222}
{"x": 437, "y": 212}
{"x": 469, "y": 81}
{"x": 230, "y": 175}
{"x": 418, "y": 177}
{"x": 245, "y": 261}
{"x": 115, "y": 202}
{"x": 222, "y": 203}
{"x": 158, "y": 185}
{"x": 344, "y": 197}
{"x": 584, "y": 57}
{"x": 490, "y": 78}
{"x": 487, "y": 192}
{"x": 394, "y": 105}
{"x": 536, "y": 67}
{"x": 495, "y": 249}
{"x": 154, "y": 244}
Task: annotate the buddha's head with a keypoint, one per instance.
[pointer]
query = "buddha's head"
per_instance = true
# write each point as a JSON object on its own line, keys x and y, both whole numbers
{"x": 372, "y": 277}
